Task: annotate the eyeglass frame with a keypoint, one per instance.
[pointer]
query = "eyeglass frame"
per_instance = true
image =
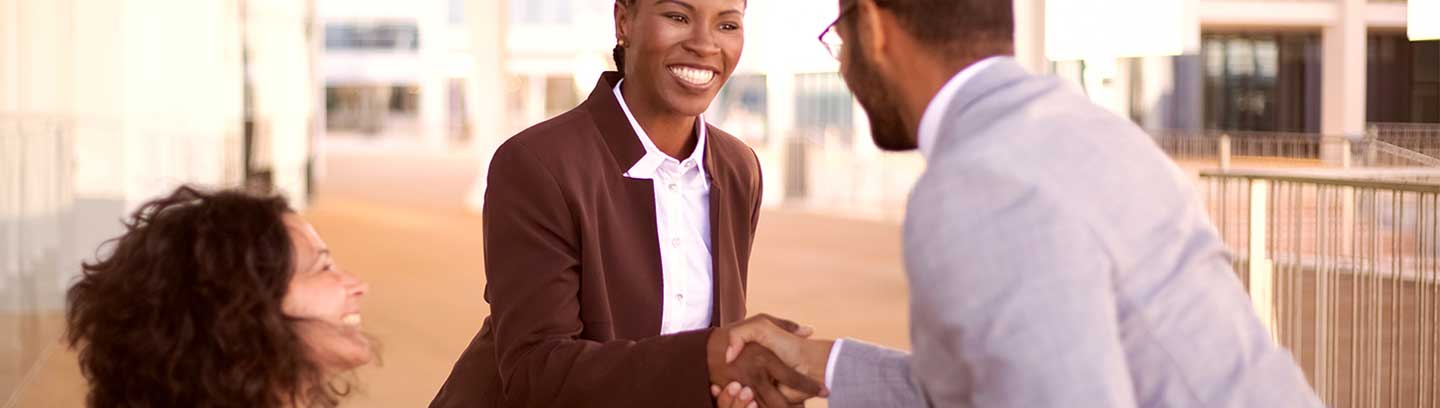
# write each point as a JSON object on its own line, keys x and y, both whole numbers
{"x": 834, "y": 49}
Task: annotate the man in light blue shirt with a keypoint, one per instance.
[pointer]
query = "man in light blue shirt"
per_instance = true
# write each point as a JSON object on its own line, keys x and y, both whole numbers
{"x": 1055, "y": 256}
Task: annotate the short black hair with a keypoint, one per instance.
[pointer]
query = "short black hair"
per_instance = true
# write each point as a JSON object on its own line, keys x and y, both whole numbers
{"x": 959, "y": 28}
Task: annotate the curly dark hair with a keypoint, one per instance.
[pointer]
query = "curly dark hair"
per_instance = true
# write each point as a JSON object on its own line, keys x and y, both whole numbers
{"x": 186, "y": 309}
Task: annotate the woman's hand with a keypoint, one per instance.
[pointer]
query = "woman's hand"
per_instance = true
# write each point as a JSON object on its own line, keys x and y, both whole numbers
{"x": 733, "y": 396}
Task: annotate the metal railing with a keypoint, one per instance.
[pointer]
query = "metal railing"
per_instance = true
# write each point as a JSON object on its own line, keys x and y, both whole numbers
{"x": 1344, "y": 269}
{"x": 1422, "y": 138}
{"x": 1214, "y": 144}
{"x": 1384, "y": 145}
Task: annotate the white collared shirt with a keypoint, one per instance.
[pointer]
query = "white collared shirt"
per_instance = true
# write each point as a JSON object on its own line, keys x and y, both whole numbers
{"x": 682, "y": 222}
{"x": 929, "y": 132}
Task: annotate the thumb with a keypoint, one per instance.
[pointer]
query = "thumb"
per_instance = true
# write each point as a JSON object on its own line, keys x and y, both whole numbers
{"x": 739, "y": 336}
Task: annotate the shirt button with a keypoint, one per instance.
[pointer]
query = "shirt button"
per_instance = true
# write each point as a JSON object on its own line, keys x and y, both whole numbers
{"x": 675, "y": 243}
{"x": 674, "y": 187}
{"x": 688, "y": 163}
{"x": 680, "y": 297}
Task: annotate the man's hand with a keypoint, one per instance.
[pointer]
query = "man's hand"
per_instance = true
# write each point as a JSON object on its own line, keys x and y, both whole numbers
{"x": 808, "y": 357}
{"x": 759, "y": 368}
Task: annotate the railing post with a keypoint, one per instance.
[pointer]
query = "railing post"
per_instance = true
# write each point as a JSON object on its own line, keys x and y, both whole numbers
{"x": 1345, "y": 152}
{"x": 1262, "y": 294}
{"x": 1224, "y": 152}
{"x": 1370, "y": 137}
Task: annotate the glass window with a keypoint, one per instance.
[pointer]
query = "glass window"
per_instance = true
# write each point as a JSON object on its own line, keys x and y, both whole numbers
{"x": 742, "y": 109}
{"x": 824, "y": 109}
{"x": 371, "y": 109}
{"x": 372, "y": 36}
{"x": 541, "y": 12}
{"x": 1403, "y": 83}
{"x": 457, "y": 12}
{"x": 1262, "y": 81}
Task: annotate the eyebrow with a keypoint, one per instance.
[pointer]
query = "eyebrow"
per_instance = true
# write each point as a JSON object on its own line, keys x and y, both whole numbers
{"x": 692, "y": 7}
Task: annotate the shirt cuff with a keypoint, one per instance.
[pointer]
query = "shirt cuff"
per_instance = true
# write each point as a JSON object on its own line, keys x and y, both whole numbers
{"x": 830, "y": 364}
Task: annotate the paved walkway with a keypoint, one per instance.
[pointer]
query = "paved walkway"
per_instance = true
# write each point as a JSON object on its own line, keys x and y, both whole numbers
{"x": 395, "y": 219}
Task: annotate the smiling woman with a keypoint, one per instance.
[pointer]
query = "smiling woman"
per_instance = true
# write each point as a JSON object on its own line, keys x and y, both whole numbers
{"x": 618, "y": 234}
{"x": 224, "y": 299}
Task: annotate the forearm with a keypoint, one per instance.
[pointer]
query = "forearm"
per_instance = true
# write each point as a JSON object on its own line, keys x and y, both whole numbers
{"x": 865, "y": 375}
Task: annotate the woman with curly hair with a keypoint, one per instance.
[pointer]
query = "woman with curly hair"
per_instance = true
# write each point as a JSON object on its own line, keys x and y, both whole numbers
{"x": 217, "y": 299}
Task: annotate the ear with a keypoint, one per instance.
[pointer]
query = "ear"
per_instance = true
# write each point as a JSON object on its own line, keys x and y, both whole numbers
{"x": 873, "y": 27}
{"x": 622, "y": 21}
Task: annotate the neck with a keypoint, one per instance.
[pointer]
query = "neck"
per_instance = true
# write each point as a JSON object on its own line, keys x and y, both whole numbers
{"x": 926, "y": 76}
{"x": 672, "y": 133}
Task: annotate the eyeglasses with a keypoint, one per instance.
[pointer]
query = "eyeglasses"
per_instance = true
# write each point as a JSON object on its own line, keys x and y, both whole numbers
{"x": 830, "y": 38}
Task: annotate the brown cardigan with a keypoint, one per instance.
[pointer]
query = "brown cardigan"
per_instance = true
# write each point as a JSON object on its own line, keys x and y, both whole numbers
{"x": 572, "y": 263}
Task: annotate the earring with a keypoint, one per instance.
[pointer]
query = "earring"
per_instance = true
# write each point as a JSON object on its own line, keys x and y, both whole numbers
{"x": 623, "y": 44}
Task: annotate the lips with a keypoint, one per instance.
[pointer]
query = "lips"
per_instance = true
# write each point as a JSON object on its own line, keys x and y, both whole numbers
{"x": 351, "y": 320}
{"x": 694, "y": 76}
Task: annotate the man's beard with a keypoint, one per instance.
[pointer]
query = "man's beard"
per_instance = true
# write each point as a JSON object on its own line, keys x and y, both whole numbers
{"x": 886, "y": 127}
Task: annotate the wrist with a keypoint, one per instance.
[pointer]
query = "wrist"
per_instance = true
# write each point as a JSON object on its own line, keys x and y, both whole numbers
{"x": 817, "y": 354}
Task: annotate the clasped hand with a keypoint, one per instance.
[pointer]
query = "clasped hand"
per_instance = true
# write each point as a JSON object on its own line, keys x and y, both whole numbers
{"x": 766, "y": 361}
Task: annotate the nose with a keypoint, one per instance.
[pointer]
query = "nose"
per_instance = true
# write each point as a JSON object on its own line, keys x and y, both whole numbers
{"x": 360, "y": 288}
{"x": 702, "y": 42}
{"x": 354, "y": 285}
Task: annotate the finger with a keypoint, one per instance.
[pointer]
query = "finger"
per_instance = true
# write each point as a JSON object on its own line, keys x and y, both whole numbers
{"x": 714, "y": 390}
{"x": 804, "y": 332}
{"x": 783, "y": 324}
{"x": 729, "y": 400}
{"x": 723, "y": 400}
{"x": 741, "y": 334}
{"x": 769, "y": 396}
{"x": 753, "y": 404}
{"x": 749, "y": 333}
{"x": 747, "y": 395}
{"x": 791, "y": 326}
{"x": 733, "y": 389}
{"x": 787, "y": 376}
{"x": 794, "y": 396}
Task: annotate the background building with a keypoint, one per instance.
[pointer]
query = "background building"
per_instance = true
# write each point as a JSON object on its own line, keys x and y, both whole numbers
{"x": 391, "y": 110}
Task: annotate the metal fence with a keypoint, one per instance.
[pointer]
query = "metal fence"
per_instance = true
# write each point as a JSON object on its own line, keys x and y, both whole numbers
{"x": 1419, "y": 137}
{"x": 1384, "y": 145}
{"x": 1214, "y": 144}
{"x": 1345, "y": 271}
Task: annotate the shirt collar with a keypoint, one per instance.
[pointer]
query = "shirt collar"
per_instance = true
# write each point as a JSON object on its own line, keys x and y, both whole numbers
{"x": 934, "y": 113}
{"x": 645, "y": 168}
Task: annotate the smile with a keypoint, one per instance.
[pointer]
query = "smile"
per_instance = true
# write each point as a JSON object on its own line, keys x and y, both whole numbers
{"x": 352, "y": 320}
{"x": 697, "y": 77}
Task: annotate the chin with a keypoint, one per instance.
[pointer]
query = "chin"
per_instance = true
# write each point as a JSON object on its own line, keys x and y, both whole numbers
{"x": 344, "y": 352}
{"x": 689, "y": 105}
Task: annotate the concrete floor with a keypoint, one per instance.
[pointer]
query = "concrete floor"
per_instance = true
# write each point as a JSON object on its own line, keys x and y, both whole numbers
{"x": 395, "y": 219}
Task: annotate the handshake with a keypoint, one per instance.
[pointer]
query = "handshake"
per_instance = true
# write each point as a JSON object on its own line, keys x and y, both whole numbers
{"x": 767, "y": 362}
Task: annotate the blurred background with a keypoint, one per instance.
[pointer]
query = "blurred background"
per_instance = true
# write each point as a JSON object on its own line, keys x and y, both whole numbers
{"x": 1311, "y": 127}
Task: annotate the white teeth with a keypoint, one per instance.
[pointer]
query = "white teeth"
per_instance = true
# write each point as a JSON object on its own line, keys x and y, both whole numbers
{"x": 352, "y": 320}
{"x": 699, "y": 77}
